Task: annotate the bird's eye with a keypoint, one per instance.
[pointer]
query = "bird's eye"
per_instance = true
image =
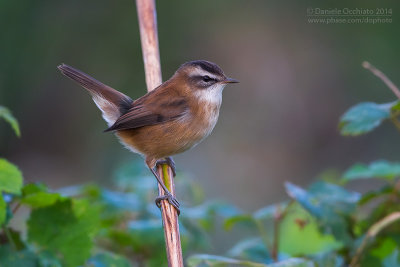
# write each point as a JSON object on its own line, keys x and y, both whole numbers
{"x": 207, "y": 78}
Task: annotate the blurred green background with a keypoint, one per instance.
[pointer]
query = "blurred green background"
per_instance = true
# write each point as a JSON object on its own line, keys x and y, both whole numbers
{"x": 279, "y": 124}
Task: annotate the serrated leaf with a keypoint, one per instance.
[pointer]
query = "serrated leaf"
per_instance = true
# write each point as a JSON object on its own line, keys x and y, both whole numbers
{"x": 377, "y": 169}
{"x": 65, "y": 229}
{"x": 107, "y": 259}
{"x": 6, "y": 114}
{"x": 10, "y": 177}
{"x": 364, "y": 117}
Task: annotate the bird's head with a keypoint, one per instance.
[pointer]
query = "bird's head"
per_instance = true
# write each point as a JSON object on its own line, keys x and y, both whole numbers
{"x": 205, "y": 79}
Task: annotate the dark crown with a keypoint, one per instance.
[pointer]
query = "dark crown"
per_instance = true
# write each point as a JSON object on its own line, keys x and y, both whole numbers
{"x": 205, "y": 65}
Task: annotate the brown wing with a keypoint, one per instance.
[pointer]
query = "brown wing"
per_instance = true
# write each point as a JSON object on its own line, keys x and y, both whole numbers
{"x": 153, "y": 108}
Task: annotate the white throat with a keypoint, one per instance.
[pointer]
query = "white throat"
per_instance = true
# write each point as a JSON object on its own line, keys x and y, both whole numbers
{"x": 211, "y": 95}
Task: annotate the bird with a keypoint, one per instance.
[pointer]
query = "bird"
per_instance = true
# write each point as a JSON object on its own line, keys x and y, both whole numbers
{"x": 172, "y": 118}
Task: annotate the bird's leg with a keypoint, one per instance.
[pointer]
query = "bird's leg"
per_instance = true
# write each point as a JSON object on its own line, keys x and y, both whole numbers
{"x": 168, "y": 196}
{"x": 170, "y": 162}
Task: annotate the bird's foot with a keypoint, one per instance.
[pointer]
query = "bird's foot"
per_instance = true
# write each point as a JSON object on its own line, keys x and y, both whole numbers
{"x": 170, "y": 162}
{"x": 171, "y": 200}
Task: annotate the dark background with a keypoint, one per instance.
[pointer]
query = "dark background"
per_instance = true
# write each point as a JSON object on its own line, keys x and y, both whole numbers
{"x": 279, "y": 124}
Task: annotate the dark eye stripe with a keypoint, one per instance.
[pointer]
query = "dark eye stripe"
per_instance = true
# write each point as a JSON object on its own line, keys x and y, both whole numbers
{"x": 202, "y": 81}
{"x": 207, "y": 78}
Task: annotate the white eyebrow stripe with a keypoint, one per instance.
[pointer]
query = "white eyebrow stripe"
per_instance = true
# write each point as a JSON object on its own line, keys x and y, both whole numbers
{"x": 200, "y": 72}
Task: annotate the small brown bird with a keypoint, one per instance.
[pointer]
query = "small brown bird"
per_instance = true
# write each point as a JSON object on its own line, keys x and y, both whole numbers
{"x": 172, "y": 118}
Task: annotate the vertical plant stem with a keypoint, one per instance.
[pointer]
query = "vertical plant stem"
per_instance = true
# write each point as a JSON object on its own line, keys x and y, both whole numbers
{"x": 383, "y": 77}
{"x": 151, "y": 56}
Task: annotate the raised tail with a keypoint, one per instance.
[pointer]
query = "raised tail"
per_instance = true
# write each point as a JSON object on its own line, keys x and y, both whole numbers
{"x": 111, "y": 102}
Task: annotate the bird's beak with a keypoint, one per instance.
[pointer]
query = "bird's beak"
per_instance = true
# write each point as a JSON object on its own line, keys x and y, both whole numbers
{"x": 229, "y": 80}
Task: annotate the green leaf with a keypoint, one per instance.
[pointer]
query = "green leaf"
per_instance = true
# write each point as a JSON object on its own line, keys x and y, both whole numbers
{"x": 335, "y": 197}
{"x": 10, "y": 177}
{"x": 11, "y": 258}
{"x": 146, "y": 233}
{"x": 298, "y": 225}
{"x": 66, "y": 229}
{"x": 5, "y": 113}
{"x": 364, "y": 117}
{"x": 332, "y": 205}
{"x": 107, "y": 259}
{"x": 40, "y": 199}
{"x": 250, "y": 249}
{"x": 141, "y": 236}
{"x": 36, "y": 196}
{"x": 243, "y": 219}
{"x": 393, "y": 260}
{"x": 371, "y": 195}
{"x": 321, "y": 196}
{"x": 48, "y": 259}
{"x": 384, "y": 248}
{"x": 204, "y": 215}
{"x": 377, "y": 169}
{"x": 3, "y": 210}
{"x": 308, "y": 201}
{"x": 32, "y": 188}
{"x": 328, "y": 260}
{"x": 269, "y": 212}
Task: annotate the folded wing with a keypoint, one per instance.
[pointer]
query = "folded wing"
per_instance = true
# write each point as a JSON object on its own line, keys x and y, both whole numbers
{"x": 151, "y": 109}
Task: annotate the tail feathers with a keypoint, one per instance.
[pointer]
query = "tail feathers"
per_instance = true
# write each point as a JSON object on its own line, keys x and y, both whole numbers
{"x": 111, "y": 102}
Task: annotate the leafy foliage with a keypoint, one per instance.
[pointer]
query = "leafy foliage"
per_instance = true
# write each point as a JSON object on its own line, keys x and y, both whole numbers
{"x": 64, "y": 229}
